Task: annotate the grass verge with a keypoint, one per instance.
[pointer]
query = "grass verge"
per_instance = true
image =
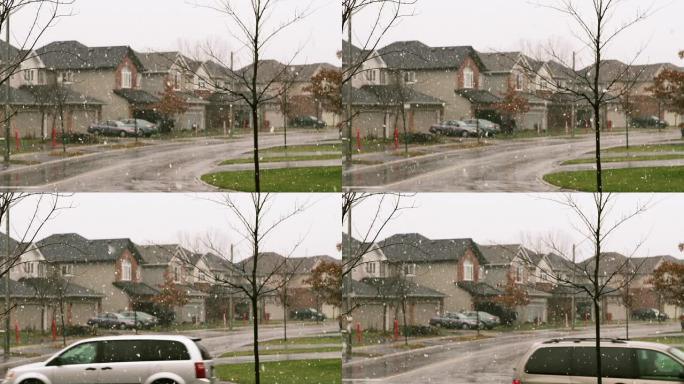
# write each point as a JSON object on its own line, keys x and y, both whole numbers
{"x": 305, "y": 341}
{"x": 674, "y": 147}
{"x": 622, "y": 159}
{"x": 280, "y": 159}
{"x": 646, "y": 179}
{"x": 283, "y": 351}
{"x": 305, "y": 148}
{"x": 327, "y": 371}
{"x": 311, "y": 179}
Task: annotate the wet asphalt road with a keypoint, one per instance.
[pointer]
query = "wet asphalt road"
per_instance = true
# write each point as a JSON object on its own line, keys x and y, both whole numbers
{"x": 489, "y": 361}
{"x": 506, "y": 166}
{"x": 171, "y": 167}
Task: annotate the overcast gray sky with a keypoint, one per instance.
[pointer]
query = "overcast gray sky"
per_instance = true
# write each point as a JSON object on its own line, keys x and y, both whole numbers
{"x": 169, "y": 218}
{"x": 503, "y": 25}
{"x": 519, "y": 218}
{"x": 161, "y": 24}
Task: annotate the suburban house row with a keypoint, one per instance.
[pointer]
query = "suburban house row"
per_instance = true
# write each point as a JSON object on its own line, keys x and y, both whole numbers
{"x": 452, "y": 275}
{"x": 434, "y": 84}
{"x": 94, "y": 84}
{"x": 90, "y": 277}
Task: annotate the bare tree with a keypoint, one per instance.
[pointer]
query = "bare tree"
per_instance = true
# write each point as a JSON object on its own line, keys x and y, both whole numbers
{"x": 597, "y": 28}
{"x": 255, "y": 30}
{"x": 388, "y": 12}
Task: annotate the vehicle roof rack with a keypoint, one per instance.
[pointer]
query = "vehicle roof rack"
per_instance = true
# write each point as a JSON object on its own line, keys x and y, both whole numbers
{"x": 580, "y": 339}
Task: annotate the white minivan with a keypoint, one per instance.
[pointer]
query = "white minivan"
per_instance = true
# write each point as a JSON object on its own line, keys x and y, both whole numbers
{"x": 573, "y": 361}
{"x": 143, "y": 359}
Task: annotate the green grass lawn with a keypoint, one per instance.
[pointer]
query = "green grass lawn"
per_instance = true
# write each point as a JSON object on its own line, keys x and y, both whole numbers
{"x": 284, "y": 351}
{"x": 621, "y": 159}
{"x": 285, "y": 372}
{"x": 336, "y": 147}
{"x": 279, "y": 159}
{"x": 675, "y": 147}
{"x": 312, "y": 179}
{"x": 647, "y": 179}
{"x": 673, "y": 340}
{"x": 305, "y": 341}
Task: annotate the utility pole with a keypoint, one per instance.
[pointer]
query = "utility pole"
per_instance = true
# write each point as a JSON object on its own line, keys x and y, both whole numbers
{"x": 573, "y": 114}
{"x": 285, "y": 116}
{"x": 350, "y": 89}
{"x": 230, "y": 293}
{"x": 572, "y": 305}
{"x": 7, "y": 104}
{"x": 6, "y": 348}
{"x": 348, "y": 290}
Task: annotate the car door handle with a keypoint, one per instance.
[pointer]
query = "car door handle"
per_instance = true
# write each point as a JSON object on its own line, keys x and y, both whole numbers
{"x": 107, "y": 368}
{"x": 90, "y": 369}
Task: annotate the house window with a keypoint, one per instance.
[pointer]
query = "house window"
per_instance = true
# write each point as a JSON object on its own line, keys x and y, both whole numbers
{"x": 125, "y": 270}
{"x": 382, "y": 269}
{"x": 41, "y": 77}
{"x": 176, "y": 81}
{"x": 409, "y": 269}
{"x": 383, "y": 77}
{"x": 370, "y": 268}
{"x": 176, "y": 274}
{"x": 67, "y": 270}
{"x": 468, "y": 78}
{"x": 409, "y": 77}
{"x": 67, "y": 77}
{"x": 468, "y": 271}
{"x": 371, "y": 75}
{"x": 29, "y": 75}
{"x": 202, "y": 84}
{"x": 519, "y": 82}
{"x": 126, "y": 78}
{"x": 29, "y": 268}
{"x": 518, "y": 274}
{"x": 42, "y": 270}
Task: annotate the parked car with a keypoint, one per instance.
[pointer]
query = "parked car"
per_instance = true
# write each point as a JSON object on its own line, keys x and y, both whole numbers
{"x": 453, "y": 128}
{"x": 112, "y": 128}
{"x": 145, "y": 128}
{"x": 308, "y": 314}
{"x": 488, "y": 320}
{"x": 145, "y": 320}
{"x": 487, "y": 128}
{"x": 453, "y": 320}
{"x": 111, "y": 320}
{"x": 122, "y": 359}
{"x": 622, "y": 361}
{"x": 308, "y": 121}
{"x": 649, "y": 314}
{"x": 648, "y": 122}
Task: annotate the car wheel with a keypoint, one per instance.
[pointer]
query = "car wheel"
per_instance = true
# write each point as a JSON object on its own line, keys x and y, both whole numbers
{"x": 164, "y": 381}
{"x": 122, "y": 134}
{"x": 465, "y": 326}
{"x": 31, "y": 381}
{"x": 464, "y": 134}
{"x": 122, "y": 326}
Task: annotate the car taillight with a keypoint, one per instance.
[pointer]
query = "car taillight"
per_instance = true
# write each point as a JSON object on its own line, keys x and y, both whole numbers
{"x": 200, "y": 371}
{"x": 516, "y": 381}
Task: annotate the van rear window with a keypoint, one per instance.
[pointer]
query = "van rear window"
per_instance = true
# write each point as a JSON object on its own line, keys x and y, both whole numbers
{"x": 203, "y": 350}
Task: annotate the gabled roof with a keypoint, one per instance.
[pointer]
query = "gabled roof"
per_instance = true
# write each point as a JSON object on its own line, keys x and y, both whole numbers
{"x": 609, "y": 263}
{"x": 646, "y": 265}
{"x": 74, "y": 248}
{"x": 389, "y": 288}
{"x": 158, "y": 62}
{"x": 160, "y": 255}
{"x": 14, "y": 52}
{"x": 136, "y": 289}
{"x": 31, "y": 95}
{"x": 478, "y": 96}
{"x": 499, "y": 62}
{"x": 479, "y": 288}
{"x": 45, "y": 287}
{"x": 72, "y": 55}
{"x": 414, "y": 55}
{"x": 416, "y": 248}
{"x": 217, "y": 70}
{"x": 137, "y": 96}
{"x": 270, "y": 261}
{"x": 384, "y": 95}
{"x": 356, "y": 52}
{"x": 500, "y": 254}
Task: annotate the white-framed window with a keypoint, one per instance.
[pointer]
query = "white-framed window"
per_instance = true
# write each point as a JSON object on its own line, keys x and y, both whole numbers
{"x": 468, "y": 78}
{"x": 176, "y": 274}
{"x": 519, "y": 271}
{"x": 29, "y": 75}
{"x": 519, "y": 82}
{"x": 383, "y": 77}
{"x": 370, "y": 268}
{"x": 409, "y": 269}
{"x": 126, "y": 269}
{"x": 409, "y": 77}
{"x": 29, "y": 268}
{"x": 176, "y": 81}
{"x": 126, "y": 78}
{"x": 468, "y": 271}
{"x": 67, "y": 270}
{"x": 42, "y": 270}
{"x": 67, "y": 77}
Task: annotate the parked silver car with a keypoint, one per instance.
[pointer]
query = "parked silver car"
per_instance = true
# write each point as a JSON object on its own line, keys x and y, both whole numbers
{"x": 122, "y": 359}
{"x": 573, "y": 361}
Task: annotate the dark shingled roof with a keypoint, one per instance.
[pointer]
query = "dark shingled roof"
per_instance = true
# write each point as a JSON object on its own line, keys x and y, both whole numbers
{"x": 156, "y": 62}
{"x": 499, "y": 61}
{"x": 72, "y": 55}
{"x": 45, "y": 287}
{"x": 416, "y": 248}
{"x": 271, "y": 261}
{"x": 137, "y": 96}
{"x": 646, "y": 265}
{"x": 31, "y": 95}
{"x": 414, "y": 55}
{"x": 217, "y": 70}
{"x": 479, "y": 288}
{"x": 74, "y": 248}
{"x": 382, "y": 95}
{"x": 157, "y": 254}
{"x": 14, "y": 52}
{"x": 388, "y": 288}
{"x": 18, "y": 290}
{"x": 135, "y": 289}
{"x": 478, "y": 96}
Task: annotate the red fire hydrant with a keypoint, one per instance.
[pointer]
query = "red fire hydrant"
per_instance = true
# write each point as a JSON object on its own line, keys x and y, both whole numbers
{"x": 54, "y": 330}
{"x": 396, "y": 329}
{"x": 359, "y": 335}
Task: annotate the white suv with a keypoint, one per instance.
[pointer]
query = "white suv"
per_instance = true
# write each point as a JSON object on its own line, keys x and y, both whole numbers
{"x": 122, "y": 359}
{"x": 573, "y": 361}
